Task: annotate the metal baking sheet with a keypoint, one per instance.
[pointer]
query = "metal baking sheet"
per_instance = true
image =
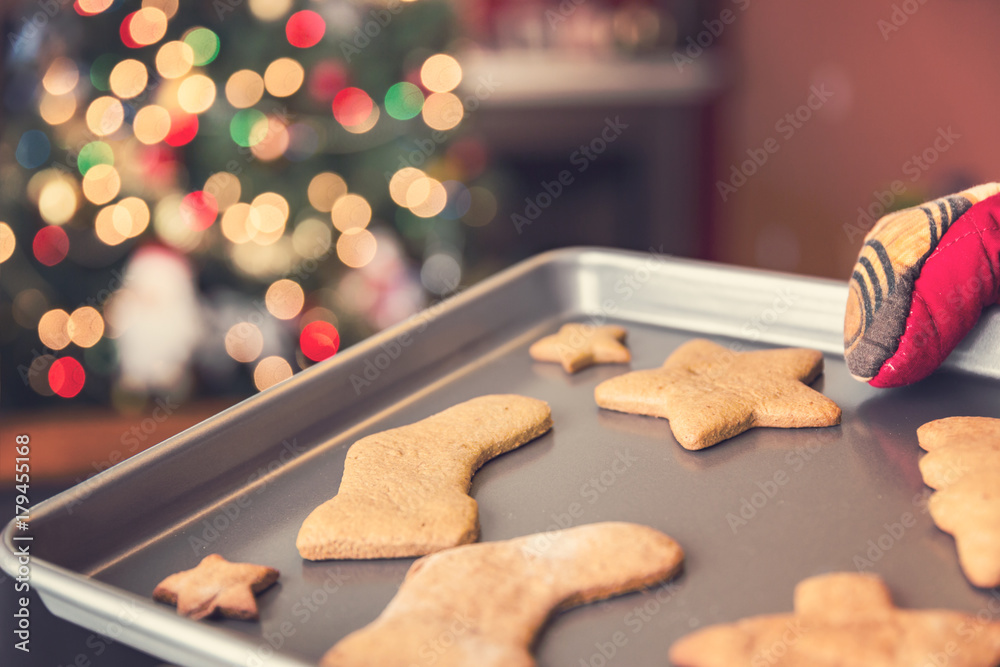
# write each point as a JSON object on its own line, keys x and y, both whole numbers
{"x": 755, "y": 514}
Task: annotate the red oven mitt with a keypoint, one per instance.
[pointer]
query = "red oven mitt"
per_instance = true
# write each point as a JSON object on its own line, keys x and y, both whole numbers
{"x": 921, "y": 282}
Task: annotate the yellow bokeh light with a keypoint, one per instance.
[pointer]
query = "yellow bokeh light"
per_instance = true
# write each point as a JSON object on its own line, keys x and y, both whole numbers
{"x": 440, "y": 73}
{"x": 171, "y": 228}
{"x": 366, "y": 124}
{"x": 270, "y": 371}
{"x": 85, "y": 326}
{"x": 312, "y": 238}
{"x": 284, "y": 299}
{"x": 95, "y": 6}
{"x": 151, "y": 124}
{"x": 196, "y": 93}
{"x": 283, "y": 77}
{"x": 148, "y": 26}
{"x": 128, "y": 78}
{"x": 272, "y": 199}
{"x": 7, "y": 242}
{"x": 130, "y": 217}
{"x": 356, "y": 247}
{"x": 101, "y": 183}
{"x": 442, "y": 111}
{"x": 434, "y": 202}
{"x": 104, "y": 227}
{"x": 244, "y": 342}
{"x": 399, "y": 184}
{"x": 57, "y": 109}
{"x": 105, "y": 115}
{"x": 57, "y": 201}
{"x": 235, "y": 222}
{"x": 274, "y": 141}
{"x": 174, "y": 59}
{"x": 324, "y": 189}
{"x": 61, "y": 77}
{"x": 53, "y": 329}
{"x": 351, "y": 212}
{"x": 270, "y": 10}
{"x": 244, "y": 88}
{"x": 168, "y": 7}
{"x": 225, "y": 187}
{"x": 267, "y": 218}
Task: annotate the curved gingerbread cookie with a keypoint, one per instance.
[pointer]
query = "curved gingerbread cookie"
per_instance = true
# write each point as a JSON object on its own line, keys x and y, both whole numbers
{"x": 710, "y": 393}
{"x": 920, "y": 284}
{"x": 405, "y": 491}
{"x": 963, "y": 464}
{"x": 483, "y": 604}
{"x": 844, "y": 620}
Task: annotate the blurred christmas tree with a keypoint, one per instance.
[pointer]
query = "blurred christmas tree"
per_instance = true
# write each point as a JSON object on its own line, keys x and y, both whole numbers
{"x": 201, "y": 197}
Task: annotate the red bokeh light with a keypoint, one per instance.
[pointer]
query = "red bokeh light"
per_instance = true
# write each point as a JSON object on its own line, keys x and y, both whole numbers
{"x": 199, "y": 209}
{"x": 66, "y": 377}
{"x": 81, "y": 11}
{"x": 351, "y": 106}
{"x": 305, "y": 29}
{"x": 326, "y": 79}
{"x": 50, "y": 245}
{"x": 183, "y": 128}
{"x": 319, "y": 340}
{"x": 126, "y": 32}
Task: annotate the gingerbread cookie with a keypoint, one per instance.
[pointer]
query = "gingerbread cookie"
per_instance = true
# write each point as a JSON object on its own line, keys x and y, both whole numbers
{"x": 710, "y": 393}
{"x": 578, "y": 346}
{"x": 216, "y": 586}
{"x": 483, "y": 604}
{"x": 963, "y": 464}
{"x": 844, "y": 620}
{"x": 405, "y": 491}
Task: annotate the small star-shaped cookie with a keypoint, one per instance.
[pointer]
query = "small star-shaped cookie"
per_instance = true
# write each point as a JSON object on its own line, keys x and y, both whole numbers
{"x": 577, "y": 346}
{"x": 844, "y": 620}
{"x": 963, "y": 464}
{"x": 216, "y": 585}
{"x": 710, "y": 393}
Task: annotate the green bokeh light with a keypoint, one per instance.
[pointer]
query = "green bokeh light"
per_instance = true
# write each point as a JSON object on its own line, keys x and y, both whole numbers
{"x": 205, "y": 45}
{"x": 100, "y": 71}
{"x": 248, "y": 127}
{"x": 404, "y": 101}
{"x": 93, "y": 154}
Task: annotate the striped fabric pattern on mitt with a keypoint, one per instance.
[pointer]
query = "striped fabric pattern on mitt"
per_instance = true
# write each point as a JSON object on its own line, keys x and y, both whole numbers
{"x": 920, "y": 284}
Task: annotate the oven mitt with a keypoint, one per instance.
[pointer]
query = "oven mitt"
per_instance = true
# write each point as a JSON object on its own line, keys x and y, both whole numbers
{"x": 921, "y": 282}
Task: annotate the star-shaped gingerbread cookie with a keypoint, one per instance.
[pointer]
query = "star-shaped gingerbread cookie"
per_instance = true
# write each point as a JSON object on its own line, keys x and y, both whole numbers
{"x": 710, "y": 393}
{"x": 216, "y": 586}
{"x": 843, "y": 620}
{"x": 577, "y": 346}
{"x": 963, "y": 464}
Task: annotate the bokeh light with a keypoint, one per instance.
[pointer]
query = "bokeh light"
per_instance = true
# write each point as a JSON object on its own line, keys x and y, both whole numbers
{"x": 366, "y": 124}
{"x": 94, "y": 6}
{"x": 352, "y": 106}
{"x": 93, "y": 154}
{"x": 275, "y": 139}
{"x": 53, "y": 329}
{"x": 38, "y": 374}
{"x": 267, "y": 219}
{"x": 270, "y": 371}
{"x": 399, "y": 184}
{"x": 196, "y": 94}
{"x": 61, "y": 77}
{"x": 57, "y": 109}
{"x": 225, "y": 187}
{"x": 7, "y": 242}
{"x": 319, "y": 340}
{"x": 128, "y": 78}
{"x": 151, "y": 124}
{"x": 440, "y": 73}
{"x": 284, "y": 299}
{"x": 85, "y": 326}
{"x": 312, "y": 238}
{"x": 324, "y": 189}
{"x": 442, "y": 111}
{"x": 270, "y": 10}
{"x": 430, "y": 204}
{"x": 326, "y": 79}
{"x": 284, "y": 77}
{"x": 204, "y": 44}
{"x": 57, "y": 201}
{"x": 351, "y": 212}
{"x": 130, "y": 217}
{"x": 174, "y": 59}
{"x": 305, "y": 29}
{"x": 403, "y": 100}
{"x": 244, "y": 342}
{"x": 183, "y": 128}
{"x": 244, "y": 88}
{"x": 248, "y": 127}
{"x": 33, "y": 149}
{"x": 105, "y": 115}
{"x": 199, "y": 209}
{"x": 148, "y": 26}
{"x": 356, "y": 247}
{"x": 67, "y": 377}
{"x": 171, "y": 228}
{"x": 100, "y": 70}
{"x": 168, "y": 7}
{"x": 234, "y": 223}
{"x": 101, "y": 184}
{"x": 104, "y": 227}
